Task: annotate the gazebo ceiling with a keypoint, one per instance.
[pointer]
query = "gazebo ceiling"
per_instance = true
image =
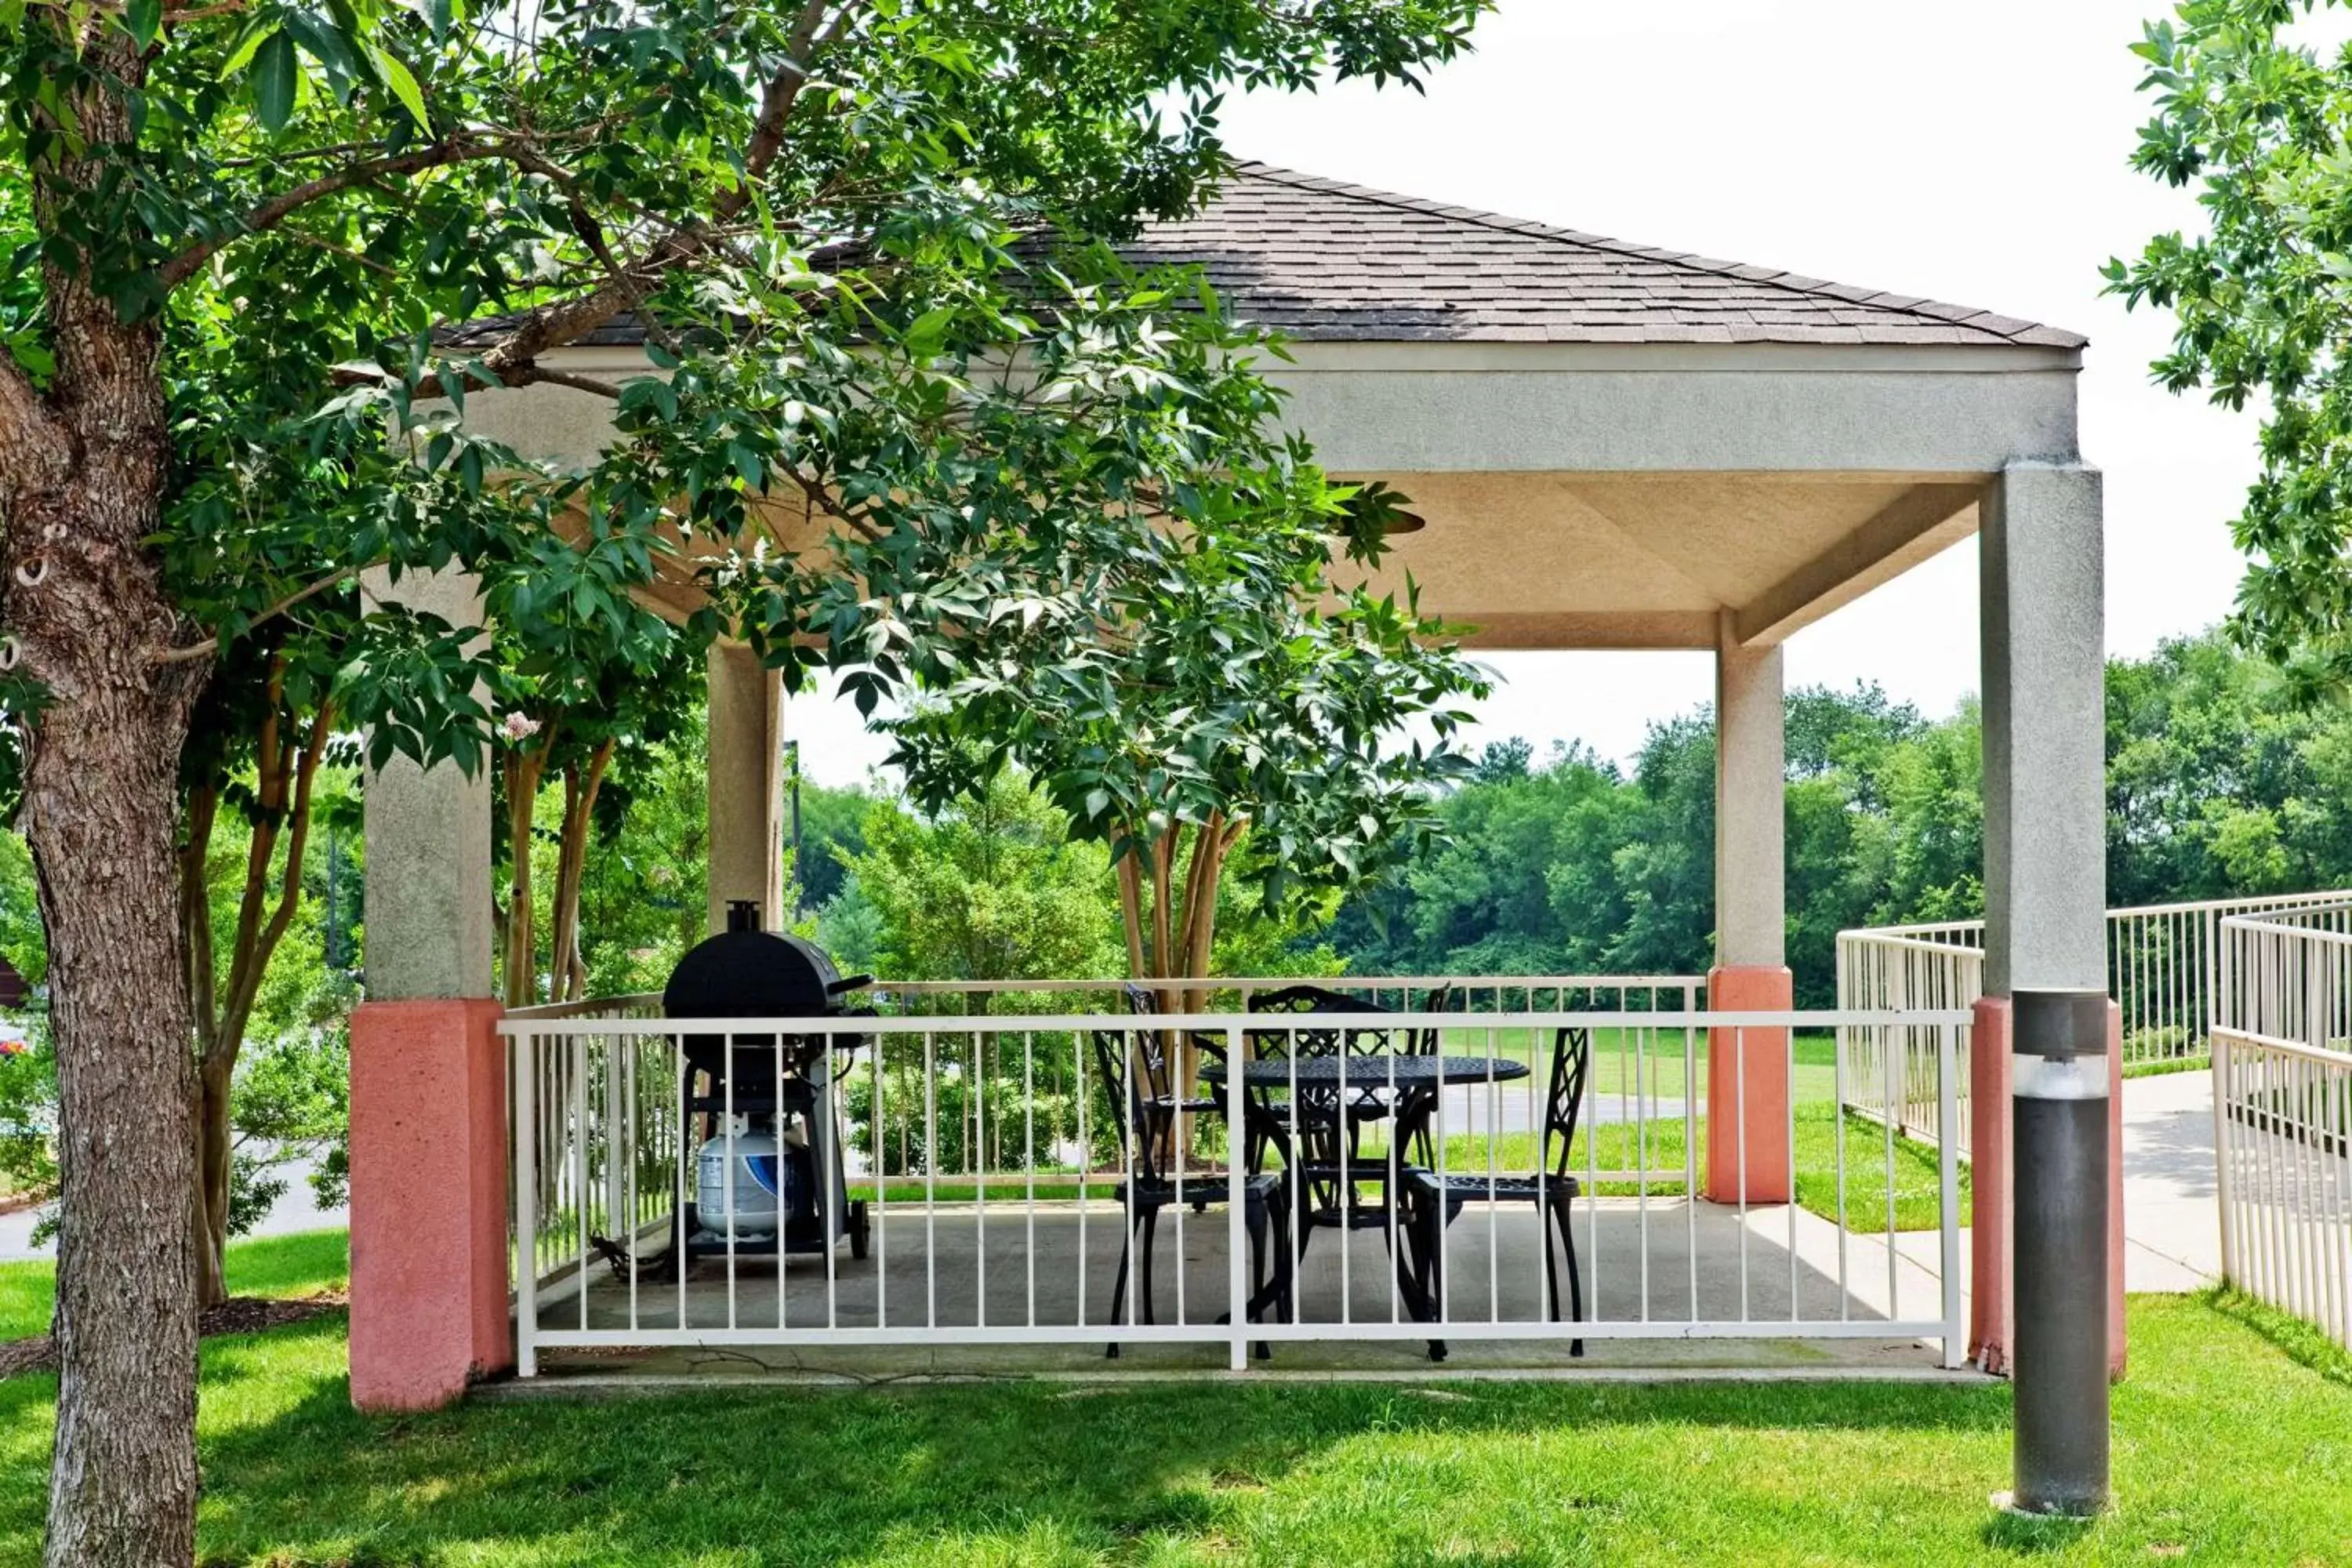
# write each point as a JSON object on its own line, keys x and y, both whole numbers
{"x": 1651, "y": 560}
{"x": 1614, "y": 446}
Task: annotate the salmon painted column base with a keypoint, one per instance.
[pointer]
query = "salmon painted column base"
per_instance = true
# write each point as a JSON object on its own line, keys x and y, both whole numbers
{"x": 1748, "y": 1088}
{"x": 428, "y": 1151}
{"x": 1992, "y": 1325}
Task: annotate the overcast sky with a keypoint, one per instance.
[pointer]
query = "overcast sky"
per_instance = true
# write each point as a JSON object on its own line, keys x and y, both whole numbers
{"x": 1970, "y": 153}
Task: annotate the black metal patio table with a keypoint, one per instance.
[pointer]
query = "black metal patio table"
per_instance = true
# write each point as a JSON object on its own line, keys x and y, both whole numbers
{"x": 1324, "y": 1182}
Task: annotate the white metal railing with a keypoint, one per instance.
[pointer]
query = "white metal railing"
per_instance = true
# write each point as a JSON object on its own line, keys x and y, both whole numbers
{"x": 554, "y": 1090}
{"x": 1896, "y": 1077}
{"x": 2288, "y": 974}
{"x": 987, "y": 1186}
{"x": 570, "y": 1099}
{"x": 2283, "y": 1147}
{"x": 2167, "y": 969}
{"x": 1442, "y": 993}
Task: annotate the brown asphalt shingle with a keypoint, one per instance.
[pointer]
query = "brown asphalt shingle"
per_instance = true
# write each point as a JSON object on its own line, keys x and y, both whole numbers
{"x": 1323, "y": 260}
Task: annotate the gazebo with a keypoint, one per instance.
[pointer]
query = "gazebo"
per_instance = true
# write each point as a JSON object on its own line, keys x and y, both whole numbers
{"x": 1614, "y": 446}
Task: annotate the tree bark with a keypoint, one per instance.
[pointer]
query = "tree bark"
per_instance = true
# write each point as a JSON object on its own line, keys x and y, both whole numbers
{"x": 520, "y": 933}
{"x": 84, "y": 602}
{"x": 568, "y": 970}
{"x": 215, "y": 1140}
{"x": 83, "y": 599}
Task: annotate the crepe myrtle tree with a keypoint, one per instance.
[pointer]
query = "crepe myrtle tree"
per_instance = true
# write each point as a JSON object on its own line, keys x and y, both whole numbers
{"x": 573, "y": 699}
{"x": 2250, "y": 116}
{"x": 1213, "y": 686}
{"x": 224, "y": 197}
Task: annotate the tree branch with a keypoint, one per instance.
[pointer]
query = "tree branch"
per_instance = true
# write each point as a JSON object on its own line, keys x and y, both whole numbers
{"x": 577, "y": 383}
{"x": 562, "y": 322}
{"x": 196, "y": 914}
{"x": 210, "y": 645}
{"x": 810, "y": 31}
{"x": 268, "y": 215}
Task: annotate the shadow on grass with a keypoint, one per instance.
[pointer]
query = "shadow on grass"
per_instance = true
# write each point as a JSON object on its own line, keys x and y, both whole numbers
{"x": 2300, "y": 1342}
{"x": 1025, "y": 1472}
{"x": 2022, "y": 1537}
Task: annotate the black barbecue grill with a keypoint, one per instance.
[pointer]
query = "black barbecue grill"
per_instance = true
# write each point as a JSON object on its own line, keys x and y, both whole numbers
{"x": 747, "y": 972}
{"x": 770, "y": 1083}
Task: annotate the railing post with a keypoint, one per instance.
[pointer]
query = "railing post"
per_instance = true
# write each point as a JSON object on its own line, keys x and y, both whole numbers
{"x": 2221, "y": 1162}
{"x": 526, "y": 1205}
{"x": 623, "y": 1224}
{"x": 1237, "y": 1283}
{"x": 1947, "y": 1174}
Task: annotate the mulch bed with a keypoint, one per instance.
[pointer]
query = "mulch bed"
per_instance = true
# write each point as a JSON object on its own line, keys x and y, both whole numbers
{"x": 237, "y": 1315}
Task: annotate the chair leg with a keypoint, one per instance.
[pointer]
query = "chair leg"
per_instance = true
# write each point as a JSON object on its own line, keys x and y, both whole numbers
{"x": 1256, "y": 1219}
{"x": 1118, "y": 1290}
{"x": 1575, "y": 1277}
{"x": 1431, "y": 1270}
{"x": 1285, "y": 1261}
{"x": 1143, "y": 1265}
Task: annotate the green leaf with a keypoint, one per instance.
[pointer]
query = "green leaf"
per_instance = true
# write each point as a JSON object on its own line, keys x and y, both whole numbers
{"x": 145, "y": 19}
{"x": 260, "y": 33}
{"x": 397, "y": 77}
{"x": 274, "y": 73}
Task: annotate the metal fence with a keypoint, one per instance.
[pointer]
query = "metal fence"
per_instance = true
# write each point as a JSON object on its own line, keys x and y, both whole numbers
{"x": 1219, "y": 1181}
{"x": 2288, "y": 974}
{"x": 1896, "y": 1078}
{"x": 1470, "y": 993}
{"x": 2169, "y": 968}
{"x": 2283, "y": 1143}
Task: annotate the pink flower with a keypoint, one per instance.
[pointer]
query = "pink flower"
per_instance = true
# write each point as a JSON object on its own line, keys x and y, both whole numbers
{"x": 12, "y": 1048}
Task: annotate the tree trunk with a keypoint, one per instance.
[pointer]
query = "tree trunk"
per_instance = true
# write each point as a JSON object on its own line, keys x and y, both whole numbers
{"x": 520, "y": 962}
{"x": 214, "y": 1076}
{"x": 569, "y": 970}
{"x": 82, "y": 468}
{"x": 101, "y": 811}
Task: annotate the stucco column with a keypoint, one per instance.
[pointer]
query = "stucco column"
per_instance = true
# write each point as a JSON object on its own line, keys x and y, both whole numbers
{"x": 1748, "y": 1069}
{"x": 429, "y": 1137}
{"x": 2045, "y": 695}
{"x": 747, "y": 785}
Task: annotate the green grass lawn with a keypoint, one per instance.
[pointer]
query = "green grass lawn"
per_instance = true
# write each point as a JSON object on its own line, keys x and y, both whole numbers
{"x": 2228, "y": 1451}
{"x": 302, "y": 1264}
{"x": 1917, "y": 1181}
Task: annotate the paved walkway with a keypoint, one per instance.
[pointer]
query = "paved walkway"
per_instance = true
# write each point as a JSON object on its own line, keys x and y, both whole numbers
{"x": 2172, "y": 1224}
{"x": 296, "y": 1210}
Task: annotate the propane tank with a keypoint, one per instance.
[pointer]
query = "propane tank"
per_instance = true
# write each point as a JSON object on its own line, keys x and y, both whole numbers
{"x": 764, "y": 1182}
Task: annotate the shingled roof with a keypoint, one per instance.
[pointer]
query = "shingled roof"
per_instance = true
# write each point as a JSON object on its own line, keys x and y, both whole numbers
{"x": 1319, "y": 259}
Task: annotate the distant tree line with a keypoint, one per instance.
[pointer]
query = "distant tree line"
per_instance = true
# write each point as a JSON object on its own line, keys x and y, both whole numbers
{"x": 2218, "y": 783}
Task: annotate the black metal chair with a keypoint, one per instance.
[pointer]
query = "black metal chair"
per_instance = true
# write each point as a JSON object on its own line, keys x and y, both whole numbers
{"x": 1320, "y": 1107}
{"x": 1144, "y": 1003}
{"x": 1145, "y": 1111}
{"x": 1431, "y": 1200}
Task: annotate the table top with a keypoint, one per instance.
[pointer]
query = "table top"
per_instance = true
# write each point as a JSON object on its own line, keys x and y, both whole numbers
{"x": 1371, "y": 1070}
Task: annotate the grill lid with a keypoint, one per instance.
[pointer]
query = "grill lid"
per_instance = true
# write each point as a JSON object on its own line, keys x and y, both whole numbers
{"x": 747, "y": 972}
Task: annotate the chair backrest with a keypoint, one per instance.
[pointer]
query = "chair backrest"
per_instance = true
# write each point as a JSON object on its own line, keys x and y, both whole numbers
{"x": 1135, "y": 1081}
{"x": 1301, "y": 1042}
{"x": 1446, "y": 998}
{"x": 1571, "y": 1059}
{"x": 1365, "y": 1042}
